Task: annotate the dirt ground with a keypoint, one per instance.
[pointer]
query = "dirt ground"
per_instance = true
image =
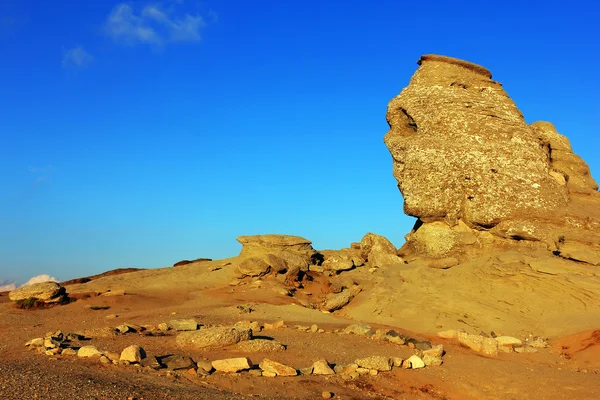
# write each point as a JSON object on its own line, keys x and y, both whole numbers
{"x": 567, "y": 369}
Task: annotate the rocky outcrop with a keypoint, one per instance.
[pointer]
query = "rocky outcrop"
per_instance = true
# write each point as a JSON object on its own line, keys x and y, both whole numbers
{"x": 474, "y": 172}
{"x": 44, "y": 291}
{"x": 284, "y": 254}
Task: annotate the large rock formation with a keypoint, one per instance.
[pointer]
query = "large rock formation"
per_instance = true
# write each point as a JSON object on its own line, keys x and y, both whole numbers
{"x": 474, "y": 172}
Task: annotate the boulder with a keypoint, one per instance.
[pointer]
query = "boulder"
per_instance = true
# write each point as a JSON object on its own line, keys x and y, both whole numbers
{"x": 133, "y": 354}
{"x": 88, "y": 351}
{"x": 379, "y": 251}
{"x": 262, "y": 254}
{"x": 341, "y": 260}
{"x": 335, "y": 301}
{"x": 232, "y": 365}
{"x": 478, "y": 343}
{"x": 378, "y": 363}
{"x": 358, "y": 329}
{"x": 181, "y": 325}
{"x": 177, "y": 361}
{"x": 273, "y": 367}
{"x": 415, "y": 362}
{"x": 321, "y": 367}
{"x": 259, "y": 346}
{"x": 213, "y": 337}
{"x": 43, "y": 291}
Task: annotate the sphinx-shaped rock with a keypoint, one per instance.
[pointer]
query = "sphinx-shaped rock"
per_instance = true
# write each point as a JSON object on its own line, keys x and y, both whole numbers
{"x": 472, "y": 170}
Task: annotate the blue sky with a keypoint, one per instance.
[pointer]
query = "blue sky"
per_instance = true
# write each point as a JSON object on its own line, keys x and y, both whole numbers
{"x": 136, "y": 134}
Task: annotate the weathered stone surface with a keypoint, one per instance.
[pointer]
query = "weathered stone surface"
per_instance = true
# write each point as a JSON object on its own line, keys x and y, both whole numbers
{"x": 335, "y": 301}
{"x": 415, "y": 362}
{"x": 213, "y": 337}
{"x": 133, "y": 354}
{"x": 469, "y": 166}
{"x": 479, "y": 343}
{"x": 357, "y": 329}
{"x": 182, "y": 325}
{"x": 259, "y": 345}
{"x": 88, "y": 351}
{"x": 150, "y": 361}
{"x": 378, "y": 363}
{"x": 43, "y": 291}
{"x": 462, "y": 149}
{"x": 277, "y": 368}
{"x": 341, "y": 260}
{"x": 232, "y": 365}
{"x": 262, "y": 254}
{"x": 321, "y": 367}
{"x": 177, "y": 361}
{"x": 69, "y": 352}
{"x": 379, "y": 251}
{"x": 434, "y": 351}
{"x": 508, "y": 341}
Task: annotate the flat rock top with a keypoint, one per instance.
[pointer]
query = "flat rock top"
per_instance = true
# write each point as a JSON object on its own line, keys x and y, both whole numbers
{"x": 456, "y": 61}
{"x": 273, "y": 239}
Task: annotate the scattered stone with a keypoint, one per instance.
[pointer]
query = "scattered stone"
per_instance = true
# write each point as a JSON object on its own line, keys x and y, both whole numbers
{"x": 306, "y": 371}
{"x": 259, "y": 345}
{"x": 508, "y": 343}
{"x": 35, "y": 342}
{"x": 394, "y": 337}
{"x": 123, "y": 328}
{"x": 213, "y": 337}
{"x": 43, "y": 291}
{"x": 105, "y": 360}
{"x": 526, "y": 349}
{"x": 75, "y": 336}
{"x": 314, "y": 328}
{"x": 163, "y": 326}
{"x": 205, "y": 365}
{"x": 88, "y": 351}
{"x": 269, "y": 374}
{"x": 373, "y": 372}
{"x": 232, "y": 365}
{"x": 69, "y": 352}
{"x": 478, "y": 343}
{"x": 357, "y": 329}
{"x": 449, "y": 334}
{"x": 378, "y": 363}
{"x": 133, "y": 354}
{"x": 434, "y": 351}
{"x": 177, "y": 361}
{"x": 406, "y": 364}
{"x": 51, "y": 343}
{"x": 430, "y": 360}
{"x": 183, "y": 324}
{"x": 335, "y": 301}
{"x": 327, "y": 395}
{"x": 321, "y": 367}
{"x": 254, "y": 325}
{"x": 255, "y": 372}
{"x": 396, "y": 362}
{"x": 537, "y": 342}
{"x": 274, "y": 325}
{"x": 362, "y": 371}
{"x": 274, "y": 367}
{"x": 416, "y": 362}
{"x": 150, "y": 362}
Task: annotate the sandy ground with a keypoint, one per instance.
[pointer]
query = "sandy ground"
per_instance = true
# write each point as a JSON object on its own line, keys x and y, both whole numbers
{"x": 567, "y": 369}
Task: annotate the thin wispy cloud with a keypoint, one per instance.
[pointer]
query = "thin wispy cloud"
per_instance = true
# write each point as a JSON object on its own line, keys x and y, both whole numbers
{"x": 7, "y": 287}
{"x": 77, "y": 57}
{"x": 41, "y": 174}
{"x": 39, "y": 279}
{"x": 152, "y": 25}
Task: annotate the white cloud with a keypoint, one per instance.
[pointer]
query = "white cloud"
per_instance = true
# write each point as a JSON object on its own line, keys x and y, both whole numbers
{"x": 152, "y": 25}
{"x": 39, "y": 278}
{"x": 7, "y": 287}
{"x": 77, "y": 57}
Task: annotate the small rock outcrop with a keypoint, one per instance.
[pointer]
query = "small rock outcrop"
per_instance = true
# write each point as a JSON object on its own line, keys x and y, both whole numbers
{"x": 44, "y": 291}
{"x": 263, "y": 254}
{"x": 475, "y": 173}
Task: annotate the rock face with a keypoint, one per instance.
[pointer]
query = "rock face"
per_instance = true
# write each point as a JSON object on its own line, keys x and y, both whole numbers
{"x": 42, "y": 291}
{"x": 472, "y": 170}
